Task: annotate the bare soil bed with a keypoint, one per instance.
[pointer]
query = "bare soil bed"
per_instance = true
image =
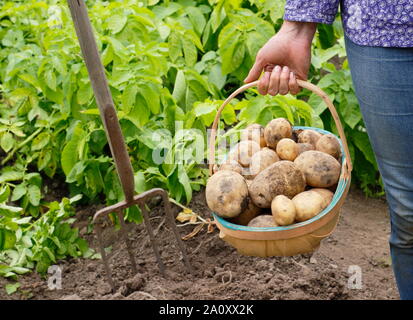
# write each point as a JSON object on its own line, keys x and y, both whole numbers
{"x": 360, "y": 240}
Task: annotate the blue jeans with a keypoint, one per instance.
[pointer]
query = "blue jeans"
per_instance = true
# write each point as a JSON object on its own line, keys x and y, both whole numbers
{"x": 383, "y": 81}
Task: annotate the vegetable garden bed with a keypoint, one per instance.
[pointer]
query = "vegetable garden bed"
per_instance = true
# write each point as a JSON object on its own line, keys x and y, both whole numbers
{"x": 169, "y": 65}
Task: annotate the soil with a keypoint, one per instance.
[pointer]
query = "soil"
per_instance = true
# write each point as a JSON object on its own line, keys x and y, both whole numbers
{"x": 360, "y": 242}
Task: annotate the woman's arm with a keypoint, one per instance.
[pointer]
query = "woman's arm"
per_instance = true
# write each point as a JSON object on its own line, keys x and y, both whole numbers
{"x": 287, "y": 55}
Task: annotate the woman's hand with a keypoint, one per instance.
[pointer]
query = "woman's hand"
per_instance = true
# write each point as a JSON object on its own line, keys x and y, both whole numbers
{"x": 284, "y": 58}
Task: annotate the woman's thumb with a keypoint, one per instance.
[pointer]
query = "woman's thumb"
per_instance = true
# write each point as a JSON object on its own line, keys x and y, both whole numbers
{"x": 254, "y": 73}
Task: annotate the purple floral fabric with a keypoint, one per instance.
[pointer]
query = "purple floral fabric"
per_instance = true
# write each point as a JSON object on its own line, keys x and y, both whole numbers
{"x": 380, "y": 23}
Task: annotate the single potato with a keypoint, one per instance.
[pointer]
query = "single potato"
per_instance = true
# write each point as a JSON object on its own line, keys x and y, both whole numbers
{"x": 287, "y": 149}
{"x": 329, "y": 144}
{"x": 227, "y": 193}
{"x": 282, "y": 177}
{"x": 243, "y": 151}
{"x": 309, "y": 136}
{"x": 276, "y": 130}
{"x": 254, "y": 132}
{"x": 283, "y": 210}
{"x": 320, "y": 169}
{"x": 307, "y": 205}
{"x": 262, "y": 221}
{"x": 261, "y": 160}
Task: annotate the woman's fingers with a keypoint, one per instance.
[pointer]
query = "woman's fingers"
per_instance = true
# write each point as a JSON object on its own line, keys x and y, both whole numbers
{"x": 284, "y": 81}
{"x": 274, "y": 81}
{"x": 264, "y": 82}
{"x": 278, "y": 80}
{"x": 294, "y": 87}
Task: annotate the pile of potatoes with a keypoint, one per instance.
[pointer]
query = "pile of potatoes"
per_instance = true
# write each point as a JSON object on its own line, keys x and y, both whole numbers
{"x": 275, "y": 176}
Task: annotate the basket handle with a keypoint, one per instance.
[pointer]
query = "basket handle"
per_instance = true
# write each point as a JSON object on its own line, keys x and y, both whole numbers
{"x": 347, "y": 166}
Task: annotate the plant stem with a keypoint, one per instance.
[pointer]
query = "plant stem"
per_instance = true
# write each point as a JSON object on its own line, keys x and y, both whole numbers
{"x": 183, "y": 207}
{"x": 22, "y": 144}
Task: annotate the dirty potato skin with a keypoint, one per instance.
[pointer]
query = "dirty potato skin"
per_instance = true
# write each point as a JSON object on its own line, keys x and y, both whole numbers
{"x": 329, "y": 144}
{"x": 231, "y": 165}
{"x": 261, "y": 160}
{"x": 309, "y": 136}
{"x": 283, "y": 210}
{"x": 227, "y": 193}
{"x": 303, "y": 147}
{"x": 254, "y": 132}
{"x": 276, "y": 130}
{"x": 262, "y": 221}
{"x": 247, "y": 215}
{"x": 287, "y": 149}
{"x": 282, "y": 177}
{"x": 307, "y": 205}
{"x": 320, "y": 169}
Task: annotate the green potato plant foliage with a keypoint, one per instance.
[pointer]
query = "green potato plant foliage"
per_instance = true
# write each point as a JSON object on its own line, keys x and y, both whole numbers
{"x": 170, "y": 65}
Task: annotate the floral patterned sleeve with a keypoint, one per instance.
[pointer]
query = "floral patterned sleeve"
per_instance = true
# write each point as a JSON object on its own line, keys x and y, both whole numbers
{"x": 321, "y": 11}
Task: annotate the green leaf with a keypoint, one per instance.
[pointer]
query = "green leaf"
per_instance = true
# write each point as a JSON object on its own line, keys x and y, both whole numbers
{"x": 34, "y": 195}
{"x": 227, "y": 51}
{"x": 228, "y": 114}
{"x": 116, "y": 23}
{"x": 180, "y": 86}
{"x": 50, "y": 79}
{"x": 107, "y": 55}
{"x": 7, "y": 142}
{"x": 9, "y": 239}
{"x": 13, "y": 38}
{"x": 190, "y": 51}
{"x": 326, "y": 35}
{"x": 151, "y": 94}
{"x": 318, "y": 104}
{"x": 2, "y": 238}
{"x": 185, "y": 182}
{"x": 30, "y": 79}
{"x": 40, "y": 141}
{"x": 140, "y": 113}
{"x": 197, "y": 19}
{"x": 252, "y": 110}
{"x": 19, "y": 191}
{"x": 129, "y": 97}
{"x": 50, "y": 254}
{"x": 254, "y": 42}
{"x": 140, "y": 184}
{"x": 9, "y": 211}
{"x": 84, "y": 94}
{"x": 70, "y": 153}
{"x": 4, "y": 193}
{"x": 238, "y": 56}
{"x": 44, "y": 159}
{"x": 12, "y": 287}
{"x": 11, "y": 176}
{"x": 175, "y": 46}
{"x": 206, "y": 110}
{"x": 134, "y": 214}
{"x": 216, "y": 76}
{"x": 361, "y": 140}
{"x": 350, "y": 111}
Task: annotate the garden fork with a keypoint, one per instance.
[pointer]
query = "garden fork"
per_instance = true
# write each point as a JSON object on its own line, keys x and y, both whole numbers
{"x": 118, "y": 149}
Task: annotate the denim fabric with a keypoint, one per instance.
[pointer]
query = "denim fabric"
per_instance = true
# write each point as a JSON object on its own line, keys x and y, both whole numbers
{"x": 383, "y": 81}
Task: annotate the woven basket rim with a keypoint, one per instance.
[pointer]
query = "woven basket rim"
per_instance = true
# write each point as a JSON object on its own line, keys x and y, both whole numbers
{"x": 341, "y": 187}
